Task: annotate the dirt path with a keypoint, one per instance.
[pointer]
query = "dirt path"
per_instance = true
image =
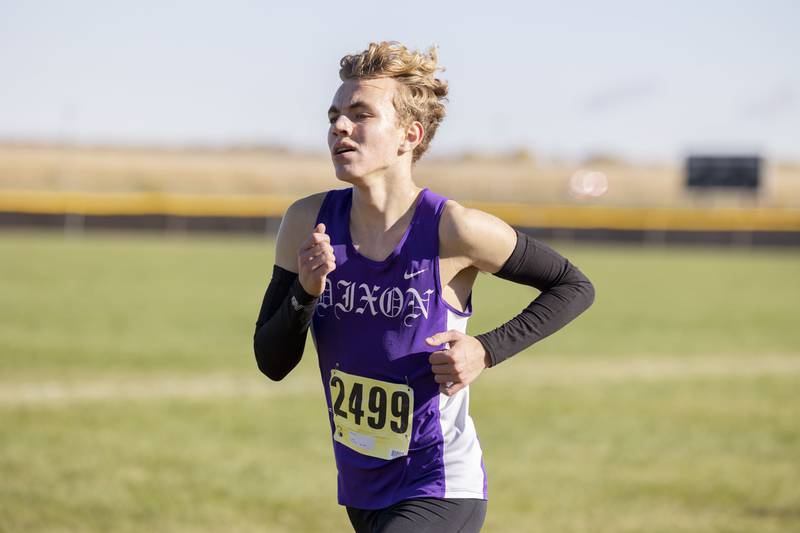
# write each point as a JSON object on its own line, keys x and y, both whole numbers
{"x": 541, "y": 371}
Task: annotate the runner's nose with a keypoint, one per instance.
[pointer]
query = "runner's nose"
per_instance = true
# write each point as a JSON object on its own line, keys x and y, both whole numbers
{"x": 341, "y": 126}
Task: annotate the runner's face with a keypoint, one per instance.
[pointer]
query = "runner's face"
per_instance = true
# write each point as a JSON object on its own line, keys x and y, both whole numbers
{"x": 362, "y": 117}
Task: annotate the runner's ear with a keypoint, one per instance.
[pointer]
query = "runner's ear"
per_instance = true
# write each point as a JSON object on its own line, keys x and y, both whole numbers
{"x": 412, "y": 137}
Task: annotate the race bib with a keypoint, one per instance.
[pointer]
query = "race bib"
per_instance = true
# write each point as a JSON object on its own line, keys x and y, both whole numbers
{"x": 370, "y": 416}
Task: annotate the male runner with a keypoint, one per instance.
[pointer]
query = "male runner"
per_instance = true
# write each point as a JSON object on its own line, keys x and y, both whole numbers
{"x": 382, "y": 272}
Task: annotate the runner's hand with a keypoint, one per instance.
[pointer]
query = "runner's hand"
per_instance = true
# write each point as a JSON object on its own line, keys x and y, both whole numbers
{"x": 459, "y": 364}
{"x": 315, "y": 260}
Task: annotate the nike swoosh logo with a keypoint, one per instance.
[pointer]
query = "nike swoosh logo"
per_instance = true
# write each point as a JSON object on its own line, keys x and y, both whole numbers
{"x": 409, "y": 275}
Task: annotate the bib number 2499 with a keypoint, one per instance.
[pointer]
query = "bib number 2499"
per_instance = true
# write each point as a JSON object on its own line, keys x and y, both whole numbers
{"x": 370, "y": 416}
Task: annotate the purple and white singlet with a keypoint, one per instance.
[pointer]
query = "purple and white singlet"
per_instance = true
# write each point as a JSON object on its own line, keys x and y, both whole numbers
{"x": 394, "y": 435}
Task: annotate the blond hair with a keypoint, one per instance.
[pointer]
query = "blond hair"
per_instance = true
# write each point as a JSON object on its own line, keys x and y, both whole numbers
{"x": 421, "y": 95}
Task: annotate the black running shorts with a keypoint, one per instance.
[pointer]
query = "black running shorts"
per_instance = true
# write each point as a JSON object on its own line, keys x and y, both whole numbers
{"x": 422, "y": 515}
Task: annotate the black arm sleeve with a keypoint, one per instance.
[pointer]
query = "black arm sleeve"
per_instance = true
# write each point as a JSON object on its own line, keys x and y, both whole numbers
{"x": 566, "y": 293}
{"x": 282, "y": 324}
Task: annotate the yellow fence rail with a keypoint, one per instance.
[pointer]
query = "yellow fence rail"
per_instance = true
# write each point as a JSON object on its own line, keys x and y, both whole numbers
{"x": 549, "y": 216}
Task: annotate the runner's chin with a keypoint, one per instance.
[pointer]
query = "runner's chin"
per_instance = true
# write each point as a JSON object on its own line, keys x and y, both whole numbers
{"x": 347, "y": 171}
{"x": 344, "y": 175}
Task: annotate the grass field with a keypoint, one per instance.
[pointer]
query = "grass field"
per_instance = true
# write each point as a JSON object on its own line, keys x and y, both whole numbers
{"x": 130, "y": 399}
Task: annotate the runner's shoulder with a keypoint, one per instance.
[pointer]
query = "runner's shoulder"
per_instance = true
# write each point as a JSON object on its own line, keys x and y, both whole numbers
{"x": 484, "y": 239}
{"x": 304, "y": 211}
{"x": 465, "y": 225}
{"x": 296, "y": 225}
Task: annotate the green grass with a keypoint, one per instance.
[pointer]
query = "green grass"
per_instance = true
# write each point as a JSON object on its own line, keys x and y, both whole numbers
{"x": 130, "y": 399}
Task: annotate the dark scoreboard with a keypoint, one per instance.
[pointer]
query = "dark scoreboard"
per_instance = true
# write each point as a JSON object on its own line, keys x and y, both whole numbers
{"x": 723, "y": 172}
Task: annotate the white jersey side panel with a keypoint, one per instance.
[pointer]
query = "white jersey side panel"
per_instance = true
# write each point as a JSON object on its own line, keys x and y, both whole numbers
{"x": 463, "y": 468}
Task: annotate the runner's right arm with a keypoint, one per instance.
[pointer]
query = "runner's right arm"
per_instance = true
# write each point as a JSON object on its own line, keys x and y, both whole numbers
{"x": 298, "y": 279}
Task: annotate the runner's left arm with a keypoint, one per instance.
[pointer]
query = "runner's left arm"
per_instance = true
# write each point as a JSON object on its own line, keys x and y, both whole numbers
{"x": 565, "y": 293}
{"x": 487, "y": 243}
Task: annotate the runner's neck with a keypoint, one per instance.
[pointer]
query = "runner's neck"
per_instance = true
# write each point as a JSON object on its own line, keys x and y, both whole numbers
{"x": 379, "y": 208}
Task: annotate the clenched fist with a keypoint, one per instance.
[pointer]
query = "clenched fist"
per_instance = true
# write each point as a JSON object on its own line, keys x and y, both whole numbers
{"x": 315, "y": 261}
{"x": 460, "y": 363}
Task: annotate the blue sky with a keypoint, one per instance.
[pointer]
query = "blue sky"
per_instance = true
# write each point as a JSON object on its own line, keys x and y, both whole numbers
{"x": 643, "y": 80}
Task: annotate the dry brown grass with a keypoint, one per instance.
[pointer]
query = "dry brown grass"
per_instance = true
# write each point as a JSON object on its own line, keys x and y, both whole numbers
{"x": 514, "y": 178}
